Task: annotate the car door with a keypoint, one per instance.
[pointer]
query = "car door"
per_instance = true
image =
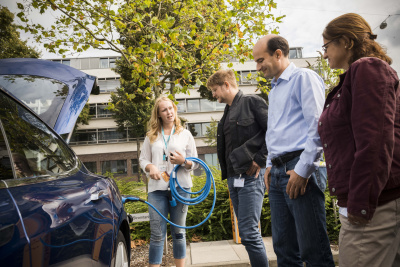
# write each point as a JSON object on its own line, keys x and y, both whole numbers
{"x": 66, "y": 213}
{"x": 13, "y": 239}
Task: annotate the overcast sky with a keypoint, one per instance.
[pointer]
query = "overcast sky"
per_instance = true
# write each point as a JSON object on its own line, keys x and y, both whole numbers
{"x": 305, "y": 21}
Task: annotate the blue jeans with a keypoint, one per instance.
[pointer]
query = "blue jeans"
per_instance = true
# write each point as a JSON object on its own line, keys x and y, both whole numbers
{"x": 247, "y": 203}
{"x": 299, "y": 225}
{"x": 158, "y": 226}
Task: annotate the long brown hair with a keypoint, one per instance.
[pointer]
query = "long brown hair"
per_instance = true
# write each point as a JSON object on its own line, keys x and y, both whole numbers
{"x": 155, "y": 121}
{"x": 359, "y": 37}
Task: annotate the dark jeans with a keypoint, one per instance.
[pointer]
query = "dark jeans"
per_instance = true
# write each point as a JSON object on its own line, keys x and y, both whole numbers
{"x": 247, "y": 203}
{"x": 299, "y": 225}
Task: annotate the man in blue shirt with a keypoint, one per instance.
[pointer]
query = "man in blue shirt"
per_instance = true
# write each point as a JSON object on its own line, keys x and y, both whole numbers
{"x": 296, "y": 191}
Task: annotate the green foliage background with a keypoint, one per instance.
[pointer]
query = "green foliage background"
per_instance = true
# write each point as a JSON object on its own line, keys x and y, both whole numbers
{"x": 10, "y": 43}
{"x": 219, "y": 226}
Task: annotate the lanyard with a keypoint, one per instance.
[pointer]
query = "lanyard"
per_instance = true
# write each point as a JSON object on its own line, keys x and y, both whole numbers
{"x": 166, "y": 142}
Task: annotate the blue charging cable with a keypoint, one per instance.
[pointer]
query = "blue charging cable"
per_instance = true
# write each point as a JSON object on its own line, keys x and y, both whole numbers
{"x": 202, "y": 193}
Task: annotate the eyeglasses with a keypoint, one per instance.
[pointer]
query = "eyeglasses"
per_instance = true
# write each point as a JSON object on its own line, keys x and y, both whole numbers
{"x": 325, "y": 46}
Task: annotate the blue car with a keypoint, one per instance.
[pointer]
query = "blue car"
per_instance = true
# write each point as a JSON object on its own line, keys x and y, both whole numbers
{"x": 53, "y": 211}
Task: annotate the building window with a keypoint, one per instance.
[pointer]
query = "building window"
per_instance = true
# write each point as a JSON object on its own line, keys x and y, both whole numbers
{"x": 108, "y": 84}
{"x": 63, "y": 61}
{"x": 204, "y": 128}
{"x": 92, "y": 110}
{"x": 295, "y": 52}
{"x": 99, "y": 110}
{"x": 113, "y": 166}
{"x": 103, "y": 63}
{"x": 91, "y": 166}
{"x": 198, "y": 129}
{"x": 99, "y": 136}
{"x": 195, "y": 129}
{"x": 198, "y": 105}
{"x": 244, "y": 78}
{"x": 107, "y": 63}
{"x": 210, "y": 159}
{"x": 193, "y": 105}
{"x": 112, "y": 62}
{"x": 135, "y": 166}
{"x": 84, "y": 137}
{"x": 220, "y": 106}
{"x": 181, "y": 106}
{"x": 111, "y": 136}
{"x": 103, "y": 111}
{"x": 207, "y": 105}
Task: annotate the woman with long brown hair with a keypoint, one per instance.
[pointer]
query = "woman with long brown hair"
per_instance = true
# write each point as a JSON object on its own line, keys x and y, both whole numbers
{"x": 360, "y": 133}
{"x": 167, "y": 143}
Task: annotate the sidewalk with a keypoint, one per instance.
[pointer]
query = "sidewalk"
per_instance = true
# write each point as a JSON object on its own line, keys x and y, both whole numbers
{"x": 228, "y": 253}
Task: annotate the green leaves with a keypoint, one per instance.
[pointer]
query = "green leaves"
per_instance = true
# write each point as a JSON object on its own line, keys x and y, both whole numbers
{"x": 166, "y": 47}
{"x": 11, "y": 44}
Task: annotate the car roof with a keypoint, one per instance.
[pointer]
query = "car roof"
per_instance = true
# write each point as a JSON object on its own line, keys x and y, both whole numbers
{"x": 79, "y": 84}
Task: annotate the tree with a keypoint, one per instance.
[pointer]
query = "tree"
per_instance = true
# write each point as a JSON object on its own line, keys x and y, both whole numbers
{"x": 169, "y": 44}
{"x": 11, "y": 44}
{"x": 330, "y": 76}
{"x": 211, "y": 133}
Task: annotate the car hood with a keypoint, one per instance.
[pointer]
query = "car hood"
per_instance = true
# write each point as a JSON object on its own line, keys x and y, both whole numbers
{"x": 32, "y": 74}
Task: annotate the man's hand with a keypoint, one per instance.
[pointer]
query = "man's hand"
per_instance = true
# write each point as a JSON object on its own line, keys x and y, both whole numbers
{"x": 296, "y": 185}
{"x": 356, "y": 220}
{"x": 267, "y": 178}
{"x": 254, "y": 168}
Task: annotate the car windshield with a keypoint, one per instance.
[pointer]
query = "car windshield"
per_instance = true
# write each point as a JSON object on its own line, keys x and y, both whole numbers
{"x": 43, "y": 95}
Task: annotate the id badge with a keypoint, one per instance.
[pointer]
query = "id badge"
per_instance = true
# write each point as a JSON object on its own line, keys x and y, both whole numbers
{"x": 165, "y": 176}
{"x": 238, "y": 182}
{"x": 162, "y": 168}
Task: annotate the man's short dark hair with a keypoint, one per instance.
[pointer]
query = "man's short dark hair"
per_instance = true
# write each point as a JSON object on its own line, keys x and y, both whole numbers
{"x": 276, "y": 43}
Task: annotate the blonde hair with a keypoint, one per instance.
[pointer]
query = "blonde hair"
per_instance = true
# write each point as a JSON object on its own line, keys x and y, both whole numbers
{"x": 220, "y": 77}
{"x": 155, "y": 121}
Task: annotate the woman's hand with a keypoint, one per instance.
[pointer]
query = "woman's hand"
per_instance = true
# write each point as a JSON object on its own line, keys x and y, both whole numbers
{"x": 357, "y": 220}
{"x": 154, "y": 172}
{"x": 176, "y": 158}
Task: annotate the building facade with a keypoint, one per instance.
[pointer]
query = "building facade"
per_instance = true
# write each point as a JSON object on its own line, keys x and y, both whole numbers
{"x": 104, "y": 149}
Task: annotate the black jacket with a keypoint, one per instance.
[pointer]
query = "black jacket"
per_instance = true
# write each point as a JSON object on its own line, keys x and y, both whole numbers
{"x": 248, "y": 119}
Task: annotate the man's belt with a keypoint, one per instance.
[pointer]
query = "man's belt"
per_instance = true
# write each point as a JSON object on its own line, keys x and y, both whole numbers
{"x": 279, "y": 161}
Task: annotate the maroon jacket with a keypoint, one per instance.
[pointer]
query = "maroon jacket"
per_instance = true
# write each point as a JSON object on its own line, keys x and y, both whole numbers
{"x": 360, "y": 133}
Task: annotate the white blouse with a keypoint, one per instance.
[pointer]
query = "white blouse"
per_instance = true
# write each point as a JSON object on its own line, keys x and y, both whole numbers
{"x": 153, "y": 154}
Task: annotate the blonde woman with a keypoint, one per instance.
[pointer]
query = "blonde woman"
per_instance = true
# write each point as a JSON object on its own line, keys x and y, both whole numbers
{"x": 167, "y": 143}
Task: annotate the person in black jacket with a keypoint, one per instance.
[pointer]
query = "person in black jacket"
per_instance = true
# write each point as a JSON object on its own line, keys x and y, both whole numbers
{"x": 242, "y": 155}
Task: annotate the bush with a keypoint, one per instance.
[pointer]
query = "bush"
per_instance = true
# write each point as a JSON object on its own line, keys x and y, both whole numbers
{"x": 218, "y": 226}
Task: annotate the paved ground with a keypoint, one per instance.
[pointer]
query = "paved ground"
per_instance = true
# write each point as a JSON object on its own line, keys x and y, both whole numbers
{"x": 227, "y": 253}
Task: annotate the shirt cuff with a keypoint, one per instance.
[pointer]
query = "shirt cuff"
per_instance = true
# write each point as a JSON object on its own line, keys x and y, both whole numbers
{"x": 304, "y": 170}
{"x": 194, "y": 166}
{"x": 269, "y": 163}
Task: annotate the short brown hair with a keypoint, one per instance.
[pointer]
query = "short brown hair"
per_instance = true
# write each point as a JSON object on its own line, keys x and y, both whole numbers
{"x": 361, "y": 39}
{"x": 278, "y": 42}
{"x": 221, "y": 76}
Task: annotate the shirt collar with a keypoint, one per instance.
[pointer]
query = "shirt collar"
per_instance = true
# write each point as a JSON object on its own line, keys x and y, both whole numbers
{"x": 285, "y": 74}
{"x": 236, "y": 98}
